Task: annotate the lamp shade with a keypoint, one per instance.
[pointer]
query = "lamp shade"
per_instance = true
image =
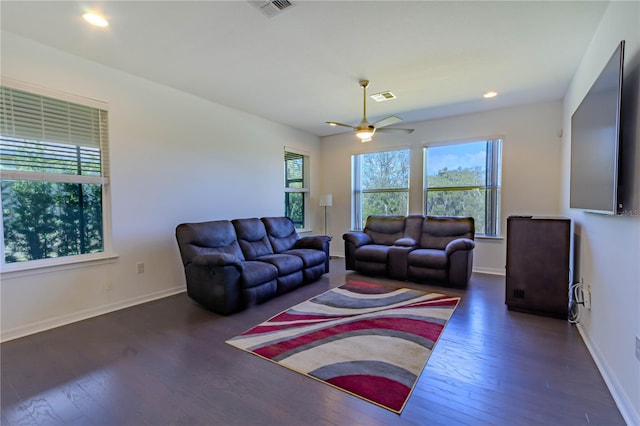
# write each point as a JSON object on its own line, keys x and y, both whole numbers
{"x": 326, "y": 200}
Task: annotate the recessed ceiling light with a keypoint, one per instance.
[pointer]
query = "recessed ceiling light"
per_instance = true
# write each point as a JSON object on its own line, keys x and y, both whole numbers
{"x": 95, "y": 19}
{"x": 490, "y": 95}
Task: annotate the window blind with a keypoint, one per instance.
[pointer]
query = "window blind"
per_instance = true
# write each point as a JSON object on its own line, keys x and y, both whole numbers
{"x": 39, "y": 134}
{"x": 294, "y": 171}
{"x": 292, "y": 156}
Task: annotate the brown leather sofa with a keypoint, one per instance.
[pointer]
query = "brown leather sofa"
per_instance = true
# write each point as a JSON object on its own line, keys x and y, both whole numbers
{"x": 417, "y": 248}
{"x": 230, "y": 265}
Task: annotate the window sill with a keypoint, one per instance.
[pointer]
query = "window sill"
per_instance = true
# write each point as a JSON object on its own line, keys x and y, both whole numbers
{"x": 489, "y": 237}
{"x": 36, "y": 267}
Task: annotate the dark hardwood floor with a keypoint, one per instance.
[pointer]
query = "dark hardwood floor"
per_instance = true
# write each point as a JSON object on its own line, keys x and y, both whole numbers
{"x": 166, "y": 363}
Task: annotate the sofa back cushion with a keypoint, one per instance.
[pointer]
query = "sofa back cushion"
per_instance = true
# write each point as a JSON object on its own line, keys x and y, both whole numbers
{"x": 438, "y": 231}
{"x": 252, "y": 237}
{"x": 413, "y": 227}
{"x": 217, "y": 236}
{"x": 281, "y": 233}
{"x": 385, "y": 230}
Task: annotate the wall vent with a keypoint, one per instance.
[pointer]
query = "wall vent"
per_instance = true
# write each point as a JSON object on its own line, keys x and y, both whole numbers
{"x": 518, "y": 294}
{"x": 271, "y": 8}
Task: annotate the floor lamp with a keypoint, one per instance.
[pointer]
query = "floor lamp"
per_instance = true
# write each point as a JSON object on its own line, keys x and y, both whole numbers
{"x": 326, "y": 200}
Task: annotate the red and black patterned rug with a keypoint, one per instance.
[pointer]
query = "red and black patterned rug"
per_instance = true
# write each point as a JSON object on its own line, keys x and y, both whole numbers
{"x": 365, "y": 339}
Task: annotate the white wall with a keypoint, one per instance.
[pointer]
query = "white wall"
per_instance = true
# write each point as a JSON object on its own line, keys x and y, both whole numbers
{"x": 608, "y": 248}
{"x": 174, "y": 158}
{"x": 531, "y": 167}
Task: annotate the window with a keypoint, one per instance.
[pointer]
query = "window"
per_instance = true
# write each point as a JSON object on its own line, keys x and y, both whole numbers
{"x": 53, "y": 174}
{"x": 380, "y": 185}
{"x": 296, "y": 188}
{"x": 464, "y": 180}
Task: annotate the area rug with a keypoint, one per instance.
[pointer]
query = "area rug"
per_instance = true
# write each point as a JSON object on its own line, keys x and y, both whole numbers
{"x": 365, "y": 339}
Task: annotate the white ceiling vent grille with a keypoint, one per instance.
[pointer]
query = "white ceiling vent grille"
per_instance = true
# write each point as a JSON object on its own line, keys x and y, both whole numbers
{"x": 383, "y": 96}
{"x": 271, "y": 8}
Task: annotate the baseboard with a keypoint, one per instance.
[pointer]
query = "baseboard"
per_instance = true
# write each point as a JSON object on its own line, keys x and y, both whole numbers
{"x": 630, "y": 415}
{"x": 37, "y": 327}
{"x": 490, "y": 271}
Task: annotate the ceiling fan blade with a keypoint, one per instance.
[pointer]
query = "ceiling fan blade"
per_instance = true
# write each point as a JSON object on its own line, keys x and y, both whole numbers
{"x": 387, "y": 121}
{"x": 394, "y": 130}
{"x": 335, "y": 123}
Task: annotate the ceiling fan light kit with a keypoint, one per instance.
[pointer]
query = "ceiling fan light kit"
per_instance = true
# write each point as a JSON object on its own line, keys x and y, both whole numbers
{"x": 365, "y": 135}
{"x": 365, "y": 130}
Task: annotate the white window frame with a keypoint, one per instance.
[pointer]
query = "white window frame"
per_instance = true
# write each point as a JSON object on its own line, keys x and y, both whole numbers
{"x": 356, "y": 186}
{"x": 306, "y": 187}
{"x": 492, "y": 187}
{"x": 17, "y": 269}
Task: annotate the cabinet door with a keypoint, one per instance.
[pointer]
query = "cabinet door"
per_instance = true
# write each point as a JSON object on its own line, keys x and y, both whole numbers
{"x": 538, "y": 276}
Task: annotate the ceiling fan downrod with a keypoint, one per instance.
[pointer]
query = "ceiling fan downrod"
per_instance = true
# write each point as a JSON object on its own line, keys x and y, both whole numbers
{"x": 364, "y": 123}
{"x": 364, "y": 130}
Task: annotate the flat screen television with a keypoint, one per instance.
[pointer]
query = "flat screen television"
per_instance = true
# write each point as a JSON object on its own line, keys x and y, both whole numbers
{"x": 595, "y": 143}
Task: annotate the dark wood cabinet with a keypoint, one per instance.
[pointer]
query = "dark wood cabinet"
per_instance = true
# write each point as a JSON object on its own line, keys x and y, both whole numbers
{"x": 539, "y": 251}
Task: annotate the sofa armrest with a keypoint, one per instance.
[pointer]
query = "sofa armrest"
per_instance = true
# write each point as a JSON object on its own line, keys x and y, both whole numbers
{"x": 316, "y": 242}
{"x": 397, "y": 261}
{"x": 405, "y": 242}
{"x": 357, "y": 238}
{"x": 460, "y": 253}
{"x": 353, "y": 240}
{"x": 459, "y": 244}
{"x": 216, "y": 260}
{"x": 217, "y": 287}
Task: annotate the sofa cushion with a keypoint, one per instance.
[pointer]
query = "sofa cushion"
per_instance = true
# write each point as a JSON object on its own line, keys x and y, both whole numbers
{"x": 313, "y": 273}
{"x": 281, "y": 233}
{"x": 384, "y": 230}
{"x": 418, "y": 274}
{"x": 309, "y": 257}
{"x": 428, "y": 258}
{"x": 286, "y": 263}
{"x": 256, "y": 273}
{"x": 373, "y": 253}
{"x": 252, "y": 237}
{"x": 287, "y": 283}
{"x": 260, "y": 293}
{"x": 203, "y": 238}
{"x": 413, "y": 226}
{"x": 216, "y": 260}
{"x": 438, "y": 231}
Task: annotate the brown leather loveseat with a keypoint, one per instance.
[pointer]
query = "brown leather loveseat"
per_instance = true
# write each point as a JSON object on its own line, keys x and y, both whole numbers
{"x": 416, "y": 248}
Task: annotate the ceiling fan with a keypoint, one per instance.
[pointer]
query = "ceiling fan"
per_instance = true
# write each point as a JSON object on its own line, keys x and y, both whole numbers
{"x": 365, "y": 130}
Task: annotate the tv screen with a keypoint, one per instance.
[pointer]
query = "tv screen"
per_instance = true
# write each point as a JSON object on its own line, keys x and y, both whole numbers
{"x": 595, "y": 142}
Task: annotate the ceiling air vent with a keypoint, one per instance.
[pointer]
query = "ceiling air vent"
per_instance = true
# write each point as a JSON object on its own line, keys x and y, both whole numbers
{"x": 383, "y": 96}
{"x": 271, "y": 8}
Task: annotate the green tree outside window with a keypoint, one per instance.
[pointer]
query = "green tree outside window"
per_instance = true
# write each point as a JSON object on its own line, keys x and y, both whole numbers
{"x": 380, "y": 185}
{"x": 464, "y": 180}
{"x": 52, "y": 177}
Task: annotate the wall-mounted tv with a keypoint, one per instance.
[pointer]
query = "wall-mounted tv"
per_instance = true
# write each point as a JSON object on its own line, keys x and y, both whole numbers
{"x": 595, "y": 143}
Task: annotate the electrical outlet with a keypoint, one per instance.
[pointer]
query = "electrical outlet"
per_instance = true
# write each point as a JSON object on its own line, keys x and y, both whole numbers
{"x": 587, "y": 296}
{"x": 638, "y": 348}
{"x": 140, "y": 267}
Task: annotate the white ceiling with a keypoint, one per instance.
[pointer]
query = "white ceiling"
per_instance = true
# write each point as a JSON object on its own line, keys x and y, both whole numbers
{"x": 302, "y": 67}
